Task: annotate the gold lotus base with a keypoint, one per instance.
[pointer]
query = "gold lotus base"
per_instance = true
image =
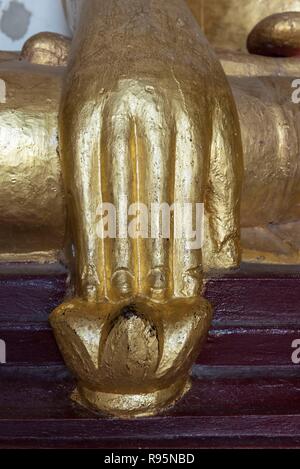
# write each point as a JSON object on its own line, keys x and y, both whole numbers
{"x": 131, "y": 405}
{"x": 131, "y": 359}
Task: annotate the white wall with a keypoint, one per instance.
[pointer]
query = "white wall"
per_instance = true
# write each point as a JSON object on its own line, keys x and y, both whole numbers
{"x": 20, "y": 19}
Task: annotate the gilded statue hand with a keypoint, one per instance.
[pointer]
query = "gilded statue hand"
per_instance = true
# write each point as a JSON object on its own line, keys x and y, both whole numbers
{"x": 147, "y": 117}
{"x": 148, "y": 114}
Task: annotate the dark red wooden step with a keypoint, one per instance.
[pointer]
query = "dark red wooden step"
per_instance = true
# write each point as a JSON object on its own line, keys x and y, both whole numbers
{"x": 246, "y": 391}
{"x": 43, "y": 392}
{"x": 35, "y": 412}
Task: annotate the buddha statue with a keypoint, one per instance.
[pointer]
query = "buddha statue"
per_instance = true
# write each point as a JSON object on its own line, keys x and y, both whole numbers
{"x": 141, "y": 107}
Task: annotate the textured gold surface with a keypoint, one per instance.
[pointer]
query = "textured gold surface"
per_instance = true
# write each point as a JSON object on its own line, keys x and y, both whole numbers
{"x": 270, "y": 124}
{"x": 47, "y": 49}
{"x": 241, "y": 64}
{"x": 227, "y": 23}
{"x": 277, "y": 35}
{"x": 32, "y": 206}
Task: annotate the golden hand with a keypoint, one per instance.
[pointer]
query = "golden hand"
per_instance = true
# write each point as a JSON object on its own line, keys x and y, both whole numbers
{"x": 146, "y": 115}
{"x": 158, "y": 125}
